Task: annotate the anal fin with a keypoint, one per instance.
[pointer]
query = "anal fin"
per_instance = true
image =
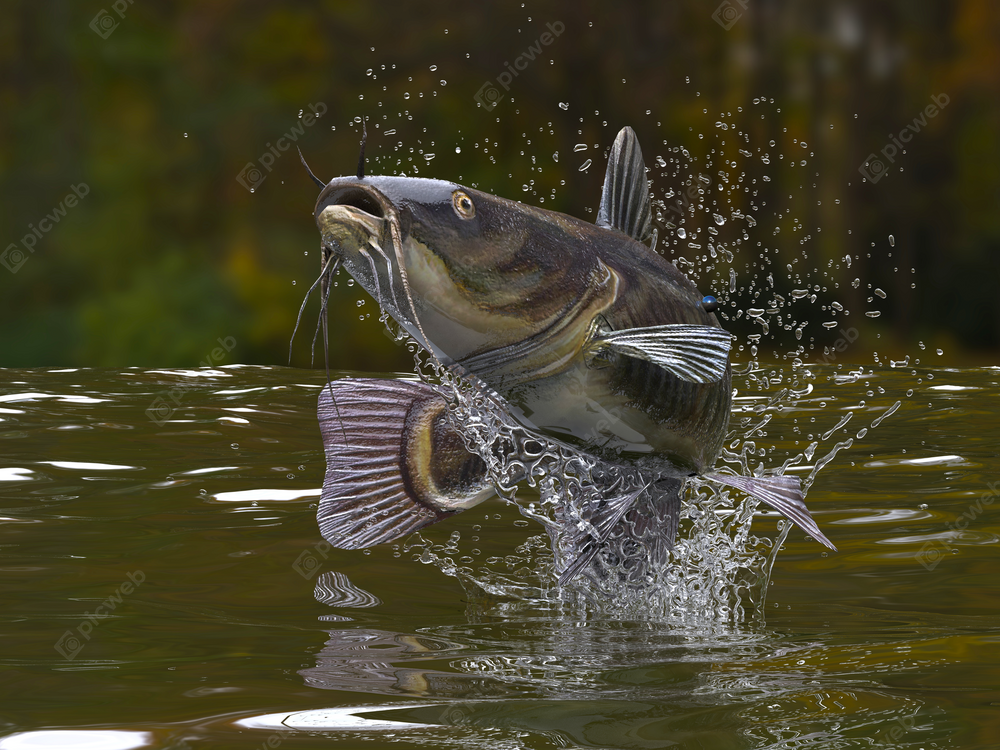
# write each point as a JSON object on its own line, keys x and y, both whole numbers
{"x": 783, "y": 493}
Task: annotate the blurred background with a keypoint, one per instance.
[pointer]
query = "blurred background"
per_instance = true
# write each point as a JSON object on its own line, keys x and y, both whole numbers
{"x": 153, "y": 210}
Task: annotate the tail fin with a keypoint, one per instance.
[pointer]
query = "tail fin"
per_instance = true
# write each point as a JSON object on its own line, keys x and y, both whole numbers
{"x": 783, "y": 493}
{"x": 394, "y": 461}
{"x": 646, "y": 518}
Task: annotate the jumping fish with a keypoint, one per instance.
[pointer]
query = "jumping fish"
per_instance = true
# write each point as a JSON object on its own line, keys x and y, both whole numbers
{"x": 583, "y": 333}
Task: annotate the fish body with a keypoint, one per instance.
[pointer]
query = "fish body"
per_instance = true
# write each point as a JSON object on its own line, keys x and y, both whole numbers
{"x": 583, "y": 333}
{"x": 515, "y": 294}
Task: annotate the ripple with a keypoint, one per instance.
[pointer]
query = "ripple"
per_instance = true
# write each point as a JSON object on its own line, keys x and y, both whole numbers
{"x": 16, "y": 474}
{"x": 65, "y": 397}
{"x": 208, "y": 470}
{"x": 333, "y": 718}
{"x": 950, "y": 460}
{"x": 193, "y": 373}
{"x": 246, "y": 496}
{"x": 336, "y": 589}
{"x": 91, "y": 466}
{"x": 77, "y": 739}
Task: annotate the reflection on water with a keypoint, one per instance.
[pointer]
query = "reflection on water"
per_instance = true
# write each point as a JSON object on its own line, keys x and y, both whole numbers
{"x": 164, "y": 585}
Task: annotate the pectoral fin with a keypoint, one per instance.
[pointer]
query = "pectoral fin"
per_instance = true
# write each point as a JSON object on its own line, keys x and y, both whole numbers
{"x": 625, "y": 199}
{"x": 695, "y": 353}
{"x": 395, "y": 463}
{"x": 783, "y": 493}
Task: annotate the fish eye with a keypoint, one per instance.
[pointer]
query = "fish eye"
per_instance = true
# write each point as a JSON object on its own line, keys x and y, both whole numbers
{"x": 463, "y": 204}
{"x": 710, "y": 303}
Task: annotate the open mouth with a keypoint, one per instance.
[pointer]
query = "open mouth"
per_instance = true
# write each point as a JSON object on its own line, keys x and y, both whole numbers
{"x": 358, "y": 198}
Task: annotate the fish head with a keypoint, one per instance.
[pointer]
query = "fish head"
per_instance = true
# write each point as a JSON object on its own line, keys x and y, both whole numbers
{"x": 461, "y": 270}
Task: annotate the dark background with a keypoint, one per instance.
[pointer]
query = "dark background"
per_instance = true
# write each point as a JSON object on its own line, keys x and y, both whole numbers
{"x": 158, "y": 107}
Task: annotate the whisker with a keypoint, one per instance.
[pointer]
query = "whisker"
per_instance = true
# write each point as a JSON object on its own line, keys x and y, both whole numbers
{"x": 315, "y": 179}
{"x": 325, "y": 276}
{"x": 324, "y": 298}
{"x": 311, "y": 289}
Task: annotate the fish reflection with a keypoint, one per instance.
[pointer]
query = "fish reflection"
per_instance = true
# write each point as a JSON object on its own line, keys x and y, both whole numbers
{"x": 381, "y": 661}
{"x": 579, "y": 333}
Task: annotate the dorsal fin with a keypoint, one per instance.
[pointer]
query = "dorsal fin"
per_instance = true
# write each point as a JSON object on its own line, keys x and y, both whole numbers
{"x": 625, "y": 198}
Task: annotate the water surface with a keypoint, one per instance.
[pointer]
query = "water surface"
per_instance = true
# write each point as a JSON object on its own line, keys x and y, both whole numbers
{"x": 165, "y": 585}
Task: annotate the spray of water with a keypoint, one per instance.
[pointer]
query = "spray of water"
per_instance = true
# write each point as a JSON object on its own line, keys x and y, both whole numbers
{"x": 785, "y": 288}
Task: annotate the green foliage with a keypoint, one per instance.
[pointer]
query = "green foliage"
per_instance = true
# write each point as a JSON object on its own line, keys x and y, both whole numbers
{"x": 168, "y": 251}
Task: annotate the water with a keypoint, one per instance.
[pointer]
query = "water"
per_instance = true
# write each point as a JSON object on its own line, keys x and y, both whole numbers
{"x": 197, "y": 540}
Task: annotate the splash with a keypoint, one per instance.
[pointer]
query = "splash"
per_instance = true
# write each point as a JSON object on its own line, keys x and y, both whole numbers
{"x": 787, "y": 287}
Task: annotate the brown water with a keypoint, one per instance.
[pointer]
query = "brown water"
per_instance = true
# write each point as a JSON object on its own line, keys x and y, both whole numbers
{"x": 177, "y": 510}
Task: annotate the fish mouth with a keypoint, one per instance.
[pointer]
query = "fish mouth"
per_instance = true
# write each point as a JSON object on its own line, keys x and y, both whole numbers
{"x": 360, "y": 229}
{"x": 350, "y": 216}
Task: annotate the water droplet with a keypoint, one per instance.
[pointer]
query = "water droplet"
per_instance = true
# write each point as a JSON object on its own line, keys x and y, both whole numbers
{"x": 458, "y": 149}
{"x": 880, "y": 293}
{"x": 585, "y": 166}
{"x": 563, "y": 105}
{"x": 892, "y": 241}
{"x": 682, "y": 233}
{"x": 580, "y": 147}
{"x": 873, "y": 313}
{"x": 433, "y": 68}
{"x": 940, "y": 352}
